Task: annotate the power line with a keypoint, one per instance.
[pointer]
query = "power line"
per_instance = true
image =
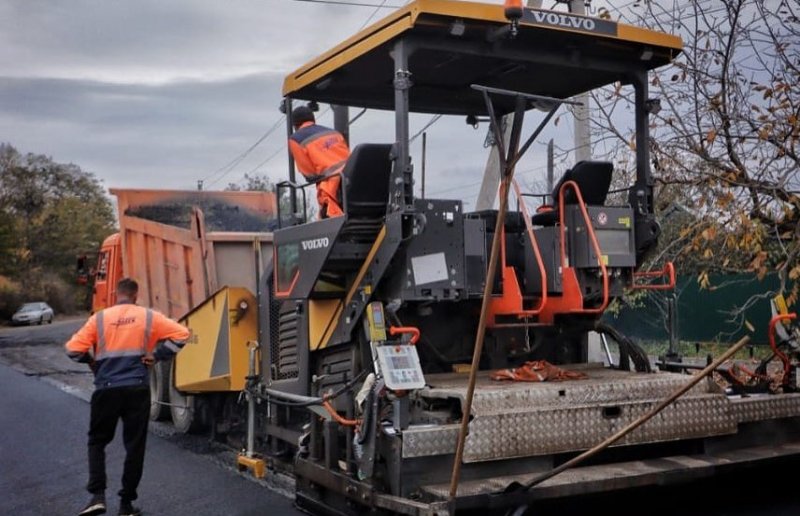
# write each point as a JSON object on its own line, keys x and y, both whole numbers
{"x": 269, "y": 158}
{"x": 377, "y": 8}
{"x": 277, "y": 152}
{"x": 227, "y": 169}
{"x": 355, "y": 4}
{"x": 433, "y": 120}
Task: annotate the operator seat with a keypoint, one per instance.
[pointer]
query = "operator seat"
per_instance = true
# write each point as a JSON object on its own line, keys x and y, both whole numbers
{"x": 594, "y": 180}
{"x": 366, "y": 180}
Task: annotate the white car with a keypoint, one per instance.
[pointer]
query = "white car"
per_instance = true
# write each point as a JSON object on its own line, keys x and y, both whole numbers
{"x": 33, "y": 313}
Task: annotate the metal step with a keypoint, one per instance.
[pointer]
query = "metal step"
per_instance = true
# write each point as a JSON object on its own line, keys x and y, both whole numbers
{"x": 609, "y": 477}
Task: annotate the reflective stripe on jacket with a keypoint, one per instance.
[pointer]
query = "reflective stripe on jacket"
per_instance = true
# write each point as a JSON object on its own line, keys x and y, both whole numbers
{"x": 117, "y": 338}
{"x": 318, "y": 151}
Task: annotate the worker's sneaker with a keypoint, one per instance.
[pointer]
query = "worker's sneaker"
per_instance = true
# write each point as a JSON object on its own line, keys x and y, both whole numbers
{"x": 97, "y": 505}
{"x": 127, "y": 509}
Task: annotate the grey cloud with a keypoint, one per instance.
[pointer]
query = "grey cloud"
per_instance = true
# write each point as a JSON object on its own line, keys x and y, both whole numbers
{"x": 155, "y": 94}
{"x": 152, "y": 40}
{"x": 167, "y": 135}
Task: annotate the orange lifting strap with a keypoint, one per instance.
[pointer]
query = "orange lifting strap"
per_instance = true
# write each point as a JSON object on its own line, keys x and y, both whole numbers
{"x": 536, "y": 371}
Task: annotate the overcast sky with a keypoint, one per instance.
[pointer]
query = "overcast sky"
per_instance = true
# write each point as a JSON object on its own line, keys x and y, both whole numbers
{"x": 159, "y": 94}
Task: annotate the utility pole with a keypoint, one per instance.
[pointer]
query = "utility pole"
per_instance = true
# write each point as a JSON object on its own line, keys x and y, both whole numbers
{"x": 583, "y": 138}
{"x": 424, "y": 146}
{"x": 341, "y": 121}
{"x": 550, "y": 166}
{"x": 491, "y": 174}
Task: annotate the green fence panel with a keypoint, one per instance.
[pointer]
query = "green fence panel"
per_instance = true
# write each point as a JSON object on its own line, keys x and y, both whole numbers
{"x": 704, "y": 315}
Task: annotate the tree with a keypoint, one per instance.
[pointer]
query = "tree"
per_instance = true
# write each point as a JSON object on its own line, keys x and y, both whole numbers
{"x": 725, "y": 143}
{"x": 255, "y": 182}
{"x": 49, "y": 213}
{"x": 262, "y": 183}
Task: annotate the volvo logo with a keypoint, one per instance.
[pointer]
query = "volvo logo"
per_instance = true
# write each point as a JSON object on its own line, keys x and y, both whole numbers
{"x": 568, "y": 21}
{"x": 564, "y": 20}
{"x": 315, "y": 243}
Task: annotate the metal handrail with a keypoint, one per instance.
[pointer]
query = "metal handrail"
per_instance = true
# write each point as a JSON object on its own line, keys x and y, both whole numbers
{"x": 536, "y": 251}
{"x": 592, "y": 236}
{"x": 668, "y": 271}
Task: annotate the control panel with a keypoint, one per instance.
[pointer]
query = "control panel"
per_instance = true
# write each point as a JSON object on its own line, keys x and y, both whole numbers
{"x": 399, "y": 365}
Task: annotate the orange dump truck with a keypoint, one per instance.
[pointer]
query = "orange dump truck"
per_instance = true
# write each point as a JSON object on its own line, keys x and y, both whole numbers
{"x": 188, "y": 250}
{"x": 182, "y": 246}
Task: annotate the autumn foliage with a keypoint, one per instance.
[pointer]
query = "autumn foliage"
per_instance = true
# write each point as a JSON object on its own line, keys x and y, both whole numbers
{"x": 49, "y": 214}
{"x": 725, "y": 145}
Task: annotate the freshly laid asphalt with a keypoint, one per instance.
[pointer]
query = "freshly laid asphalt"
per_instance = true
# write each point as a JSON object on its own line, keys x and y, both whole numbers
{"x": 43, "y": 467}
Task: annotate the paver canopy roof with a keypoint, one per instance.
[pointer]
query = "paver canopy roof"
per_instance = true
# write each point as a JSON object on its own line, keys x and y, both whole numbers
{"x": 457, "y": 44}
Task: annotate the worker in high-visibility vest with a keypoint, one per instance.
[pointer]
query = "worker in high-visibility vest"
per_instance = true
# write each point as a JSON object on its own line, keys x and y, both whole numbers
{"x": 120, "y": 343}
{"x": 320, "y": 154}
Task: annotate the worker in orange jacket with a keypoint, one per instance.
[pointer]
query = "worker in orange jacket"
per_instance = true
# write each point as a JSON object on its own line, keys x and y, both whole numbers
{"x": 319, "y": 153}
{"x": 120, "y": 343}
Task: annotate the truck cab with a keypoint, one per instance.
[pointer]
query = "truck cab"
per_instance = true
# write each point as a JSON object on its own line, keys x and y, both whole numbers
{"x": 107, "y": 273}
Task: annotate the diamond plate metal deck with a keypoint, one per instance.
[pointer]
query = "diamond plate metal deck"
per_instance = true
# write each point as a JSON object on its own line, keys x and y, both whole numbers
{"x": 766, "y": 406}
{"x": 429, "y": 440}
{"x": 540, "y": 431}
{"x": 602, "y": 386}
{"x": 527, "y": 419}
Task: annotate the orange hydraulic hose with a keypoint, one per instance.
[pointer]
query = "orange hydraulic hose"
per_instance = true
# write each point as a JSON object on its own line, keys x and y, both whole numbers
{"x": 336, "y": 417}
{"x": 752, "y": 374}
{"x": 397, "y": 330}
{"x": 772, "y": 322}
{"x": 592, "y": 237}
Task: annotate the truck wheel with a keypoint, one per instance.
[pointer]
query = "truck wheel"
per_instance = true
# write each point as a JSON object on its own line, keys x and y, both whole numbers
{"x": 183, "y": 408}
{"x": 159, "y": 391}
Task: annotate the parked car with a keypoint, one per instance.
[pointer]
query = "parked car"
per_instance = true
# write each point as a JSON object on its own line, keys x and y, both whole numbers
{"x": 31, "y": 313}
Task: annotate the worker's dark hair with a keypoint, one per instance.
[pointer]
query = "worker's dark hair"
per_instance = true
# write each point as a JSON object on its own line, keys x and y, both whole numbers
{"x": 127, "y": 287}
{"x": 301, "y": 115}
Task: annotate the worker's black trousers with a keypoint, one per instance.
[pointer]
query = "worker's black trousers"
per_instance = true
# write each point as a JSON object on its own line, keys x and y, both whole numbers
{"x": 132, "y": 406}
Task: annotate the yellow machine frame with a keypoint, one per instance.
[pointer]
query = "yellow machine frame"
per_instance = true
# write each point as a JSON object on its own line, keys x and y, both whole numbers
{"x": 216, "y": 356}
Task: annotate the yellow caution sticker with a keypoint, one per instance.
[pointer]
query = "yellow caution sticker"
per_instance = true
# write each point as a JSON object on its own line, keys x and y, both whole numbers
{"x": 625, "y": 221}
{"x": 780, "y": 304}
{"x": 605, "y": 259}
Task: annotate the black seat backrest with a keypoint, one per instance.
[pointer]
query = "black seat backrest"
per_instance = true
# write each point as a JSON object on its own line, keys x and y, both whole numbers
{"x": 366, "y": 179}
{"x": 592, "y": 177}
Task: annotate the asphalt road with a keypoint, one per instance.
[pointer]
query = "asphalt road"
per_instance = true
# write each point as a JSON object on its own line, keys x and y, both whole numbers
{"x": 41, "y": 335}
{"x": 43, "y": 463}
{"x": 43, "y": 423}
